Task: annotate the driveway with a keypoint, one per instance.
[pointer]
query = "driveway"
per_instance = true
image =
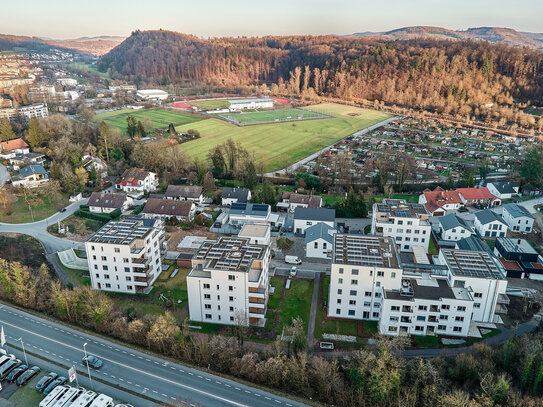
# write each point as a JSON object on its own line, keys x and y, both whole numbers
{"x": 4, "y": 175}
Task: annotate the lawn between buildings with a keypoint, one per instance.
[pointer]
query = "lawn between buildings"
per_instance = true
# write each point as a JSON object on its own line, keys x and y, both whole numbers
{"x": 277, "y": 145}
{"x": 42, "y": 204}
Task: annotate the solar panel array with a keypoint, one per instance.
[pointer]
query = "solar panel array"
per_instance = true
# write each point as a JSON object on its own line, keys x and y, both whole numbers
{"x": 364, "y": 251}
{"x": 121, "y": 232}
{"x": 233, "y": 254}
{"x": 471, "y": 264}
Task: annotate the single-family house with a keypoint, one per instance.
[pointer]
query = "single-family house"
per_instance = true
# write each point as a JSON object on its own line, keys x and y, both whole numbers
{"x": 193, "y": 193}
{"x": 319, "y": 241}
{"x": 306, "y": 217}
{"x": 241, "y": 213}
{"x": 182, "y": 211}
{"x": 137, "y": 181}
{"x": 489, "y": 224}
{"x": 473, "y": 196}
{"x": 453, "y": 228}
{"x": 96, "y": 163}
{"x": 235, "y": 195}
{"x": 101, "y": 202}
{"x": 16, "y": 146}
{"x": 295, "y": 200}
{"x": 31, "y": 176}
{"x": 503, "y": 190}
{"x": 18, "y": 160}
{"x": 518, "y": 218}
{"x": 439, "y": 201}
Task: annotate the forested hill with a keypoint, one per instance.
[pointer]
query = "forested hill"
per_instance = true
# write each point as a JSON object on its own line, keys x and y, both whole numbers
{"x": 450, "y": 76}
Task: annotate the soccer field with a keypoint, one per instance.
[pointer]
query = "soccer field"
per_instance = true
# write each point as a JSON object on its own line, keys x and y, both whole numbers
{"x": 278, "y": 145}
{"x": 271, "y": 116}
{"x": 161, "y": 118}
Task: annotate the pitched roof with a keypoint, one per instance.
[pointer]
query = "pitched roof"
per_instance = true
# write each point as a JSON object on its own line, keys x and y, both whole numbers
{"x": 312, "y": 201}
{"x": 14, "y": 144}
{"x": 517, "y": 211}
{"x": 168, "y": 207}
{"x": 184, "y": 191}
{"x": 241, "y": 194}
{"x": 475, "y": 193}
{"x": 319, "y": 231}
{"x": 487, "y": 216}
{"x": 472, "y": 244}
{"x": 505, "y": 187}
{"x": 318, "y": 214}
{"x": 105, "y": 200}
{"x": 452, "y": 221}
{"x": 32, "y": 169}
{"x": 131, "y": 176}
{"x": 438, "y": 197}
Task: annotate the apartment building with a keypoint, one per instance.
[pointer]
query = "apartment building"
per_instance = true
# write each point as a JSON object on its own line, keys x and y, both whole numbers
{"x": 406, "y": 223}
{"x": 125, "y": 256}
{"x": 362, "y": 266}
{"x": 228, "y": 282}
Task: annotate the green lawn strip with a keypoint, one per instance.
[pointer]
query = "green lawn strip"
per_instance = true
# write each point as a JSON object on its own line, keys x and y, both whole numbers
{"x": 325, "y": 288}
{"x": 432, "y": 247}
{"x": 161, "y": 118}
{"x": 176, "y": 288}
{"x": 42, "y": 207}
{"x": 26, "y": 395}
{"x": 206, "y": 327}
{"x": 370, "y": 327}
{"x": 211, "y": 104}
{"x": 297, "y": 303}
{"x": 76, "y": 275}
{"x": 75, "y": 224}
{"x": 427, "y": 341}
{"x": 277, "y": 145}
{"x": 491, "y": 243}
{"x": 277, "y": 282}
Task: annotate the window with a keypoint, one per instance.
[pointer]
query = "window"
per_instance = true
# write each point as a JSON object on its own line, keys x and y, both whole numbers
{"x": 339, "y": 300}
{"x": 208, "y": 316}
{"x": 444, "y": 317}
{"x": 380, "y": 274}
{"x": 108, "y": 285}
{"x": 367, "y": 293}
{"x": 417, "y": 231}
{"x": 128, "y": 278}
{"x": 478, "y": 295}
{"x": 207, "y": 286}
{"x": 340, "y": 281}
{"x": 423, "y": 308}
{"x": 419, "y": 328}
{"x": 457, "y": 329}
{"x": 127, "y": 269}
{"x": 376, "y": 305}
{"x": 338, "y": 311}
{"x": 340, "y": 270}
{"x": 230, "y": 298}
{"x": 207, "y": 296}
{"x": 128, "y": 287}
{"x": 408, "y": 231}
{"x": 461, "y": 309}
{"x": 231, "y": 277}
{"x": 339, "y": 291}
{"x": 445, "y": 307}
{"x": 97, "y": 275}
{"x": 477, "y": 305}
{"x": 442, "y": 327}
{"x": 392, "y": 328}
{"x": 92, "y": 247}
{"x": 316, "y": 245}
{"x": 231, "y": 309}
{"x": 459, "y": 283}
{"x": 352, "y": 302}
{"x": 352, "y": 292}
{"x": 230, "y": 288}
{"x": 354, "y": 282}
{"x": 400, "y": 230}
{"x": 376, "y": 315}
{"x": 377, "y": 295}
{"x": 395, "y": 308}
{"x": 105, "y": 268}
{"x": 231, "y": 318}
{"x": 354, "y": 272}
{"x": 126, "y": 260}
{"x": 106, "y": 276}
{"x": 459, "y": 319}
{"x": 351, "y": 312}
{"x": 378, "y": 284}
{"x": 394, "y": 319}
{"x": 400, "y": 222}
{"x": 415, "y": 239}
{"x": 407, "y": 239}
{"x": 367, "y": 304}
{"x": 398, "y": 238}
{"x": 409, "y": 222}
{"x": 96, "y": 266}
{"x": 94, "y": 257}
{"x": 104, "y": 258}
{"x": 421, "y": 318}
{"x": 393, "y": 274}
{"x": 207, "y": 306}
{"x": 217, "y": 286}
{"x": 117, "y": 250}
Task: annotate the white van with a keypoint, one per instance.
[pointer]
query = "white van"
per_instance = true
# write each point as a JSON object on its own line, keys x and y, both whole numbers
{"x": 102, "y": 401}
{"x": 292, "y": 260}
{"x": 54, "y": 396}
{"x": 68, "y": 398}
{"x": 85, "y": 399}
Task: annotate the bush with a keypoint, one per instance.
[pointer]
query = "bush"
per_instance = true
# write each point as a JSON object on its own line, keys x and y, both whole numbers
{"x": 138, "y": 209}
{"x": 115, "y": 214}
{"x": 103, "y": 217}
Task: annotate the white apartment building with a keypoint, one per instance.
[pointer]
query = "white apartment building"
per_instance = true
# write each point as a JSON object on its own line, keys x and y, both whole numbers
{"x": 124, "y": 256}
{"x": 406, "y": 223}
{"x": 137, "y": 181}
{"x": 362, "y": 266}
{"x": 228, "y": 282}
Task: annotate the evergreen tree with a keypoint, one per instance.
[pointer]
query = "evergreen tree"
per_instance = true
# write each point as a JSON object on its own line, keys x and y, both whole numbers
{"x": 131, "y": 126}
{"x": 250, "y": 179}
{"x": 6, "y": 131}
{"x": 34, "y": 137}
{"x": 531, "y": 168}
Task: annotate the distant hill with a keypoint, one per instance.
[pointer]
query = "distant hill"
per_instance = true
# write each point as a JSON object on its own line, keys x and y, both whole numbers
{"x": 506, "y": 36}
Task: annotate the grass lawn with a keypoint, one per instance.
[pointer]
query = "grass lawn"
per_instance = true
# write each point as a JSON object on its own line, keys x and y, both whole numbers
{"x": 176, "y": 288}
{"x": 427, "y": 341}
{"x": 491, "y": 243}
{"x": 343, "y": 327}
{"x": 277, "y": 145}
{"x": 326, "y": 288}
{"x": 161, "y": 118}
{"x": 267, "y": 116}
{"x": 297, "y": 303}
{"x": 90, "y": 68}
{"x": 331, "y": 199}
{"x": 211, "y": 104}
{"x": 76, "y": 225}
{"x": 277, "y": 282}
{"x": 76, "y": 275}
{"x": 42, "y": 206}
{"x": 432, "y": 247}
{"x": 284, "y": 243}
{"x": 27, "y": 395}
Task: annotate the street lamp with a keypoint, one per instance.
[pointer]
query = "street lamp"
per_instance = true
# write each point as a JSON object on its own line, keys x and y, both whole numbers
{"x": 24, "y": 352}
{"x": 87, "y": 360}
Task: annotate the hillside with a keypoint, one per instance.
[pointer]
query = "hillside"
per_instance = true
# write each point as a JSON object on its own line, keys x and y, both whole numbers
{"x": 89, "y": 45}
{"x": 506, "y": 36}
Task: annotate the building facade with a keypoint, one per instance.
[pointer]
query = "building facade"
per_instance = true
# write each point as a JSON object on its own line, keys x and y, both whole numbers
{"x": 489, "y": 224}
{"x": 518, "y": 218}
{"x": 137, "y": 181}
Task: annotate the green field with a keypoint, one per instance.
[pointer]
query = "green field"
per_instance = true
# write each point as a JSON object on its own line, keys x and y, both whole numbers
{"x": 278, "y": 145}
{"x": 161, "y": 118}
{"x": 211, "y": 104}
{"x": 272, "y": 116}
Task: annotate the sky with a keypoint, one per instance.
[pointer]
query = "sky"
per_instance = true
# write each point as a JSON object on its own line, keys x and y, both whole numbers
{"x": 63, "y": 19}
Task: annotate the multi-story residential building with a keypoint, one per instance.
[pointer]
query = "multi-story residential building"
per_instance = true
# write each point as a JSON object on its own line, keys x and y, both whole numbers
{"x": 489, "y": 224}
{"x": 362, "y": 266}
{"x": 453, "y": 228}
{"x": 406, "y": 223}
{"x": 228, "y": 282}
{"x": 518, "y": 218}
{"x": 137, "y": 181}
{"x": 125, "y": 256}
{"x": 242, "y": 213}
{"x": 307, "y": 217}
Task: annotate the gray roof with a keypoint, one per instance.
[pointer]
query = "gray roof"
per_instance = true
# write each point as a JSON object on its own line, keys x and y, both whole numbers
{"x": 318, "y": 231}
{"x": 317, "y": 214}
{"x": 241, "y": 194}
{"x": 486, "y": 216}
{"x": 249, "y": 209}
{"x": 452, "y": 221}
{"x": 32, "y": 169}
{"x": 184, "y": 191}
{"x": 472, "y": 244}
{"x": 517, "y": 211}
{"x": 516, "y": 245}
{"x": 505, "y": 187}
{"x": 105, "y": 200}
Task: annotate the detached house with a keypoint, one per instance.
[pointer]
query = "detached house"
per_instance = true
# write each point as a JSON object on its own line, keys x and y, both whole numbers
{"x": 453, "y": 228}
{"x": 518, "y": 218}
{"x": 182, "y": 211}
{"x": 503, "y": 190}
{"x": 137, "y": 181}
{"x": 106, "y": 203}
{"x": 489, "y": 224}
{"x": 439, "y": 201}
{"x": 295, "y": 200}
{"x": 31, "y": 176}
{"x": 193, "y": 193}
{"x": 235, "y": 195}
{"x": 319, "y": 240}
{"x": 15, "y": 146}
{"x": 306, "y": 217}
{"x": 473, "y": 196}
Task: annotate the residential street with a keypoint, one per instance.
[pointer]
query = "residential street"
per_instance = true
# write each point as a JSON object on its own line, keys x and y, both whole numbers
{"x": 128, "y": 369}
{"x": 4, "y": 175}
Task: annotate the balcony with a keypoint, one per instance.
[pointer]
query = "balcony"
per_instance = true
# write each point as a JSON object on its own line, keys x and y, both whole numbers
{"x": 140, "y": 273}
{"x": 501, "y": 309}
{"x": 141, "y": 261}
{"x": 434, "y": 308}
{"x": 256, "y": 300}
{"x": 142, "y": 281}
{"x": 256, "y": 312}
{"x": 405, "y": 320}
{"x": 503, "y": 299}
{"x": 406, "y": 308}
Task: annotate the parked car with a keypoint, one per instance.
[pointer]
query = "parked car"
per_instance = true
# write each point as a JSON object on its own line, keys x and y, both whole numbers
{"x": 57, "y": 382}
{"x": 26, "y": 376}
{"x": 14, "y": 374}
{"x": 7, "y": 367}
{"x": 293, "y": 271}
{"x": 45, "y": 380}
{"x": 62, "y": 210}
{"x": 292, "y": 260}
{"x": 93, "y": 361}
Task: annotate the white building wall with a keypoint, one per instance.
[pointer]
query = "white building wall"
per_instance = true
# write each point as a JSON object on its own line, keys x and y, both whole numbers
{"x": 455, "y": 234}
{"x": 407, "y": 232}
{"x": 300, "y": 225}
{"x": 522, "y": 224}
{"x": 492, "y": 229}
{"x": 319, "y": 248}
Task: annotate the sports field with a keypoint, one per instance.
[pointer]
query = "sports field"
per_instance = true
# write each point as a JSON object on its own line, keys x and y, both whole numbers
{"x": 278, "y": 145}
{"x": 211, "y": 104}
{"x": 271, "y": 116}
{"x": 161, "y": 118}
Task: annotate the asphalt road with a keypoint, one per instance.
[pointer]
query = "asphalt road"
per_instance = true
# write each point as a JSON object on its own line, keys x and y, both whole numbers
{"x": 131, "y": 370}
{"x": 38, "y": 229}
{"x": 4, "y": 175}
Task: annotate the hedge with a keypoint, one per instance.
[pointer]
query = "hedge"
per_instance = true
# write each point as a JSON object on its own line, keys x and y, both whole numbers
{"x": 138, "y": 209}
{"x": 103, "y": 217}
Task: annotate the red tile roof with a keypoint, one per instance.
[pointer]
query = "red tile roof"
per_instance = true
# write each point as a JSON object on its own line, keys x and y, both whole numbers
{"x": 472, "y": 194}
{"x": 511, "y": 265}
{"x": 14, "y": 144}
{"x": 437, "y": 198}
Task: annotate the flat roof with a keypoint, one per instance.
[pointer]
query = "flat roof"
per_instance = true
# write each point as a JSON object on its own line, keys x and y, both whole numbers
{"x": 427, "y": 289}
{"x": 512, "y": 245}
{"x": 399, "y": 208}
{"x": 254, "y": 230}
{"x": 229, "y": 253}
{"x": 372, "y": 251}
{"x": 122, "y": 232}
{"x": 471, "y": 264}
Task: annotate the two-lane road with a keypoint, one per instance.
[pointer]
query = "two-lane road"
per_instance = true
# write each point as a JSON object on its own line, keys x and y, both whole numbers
{"x": 129, "y": 369}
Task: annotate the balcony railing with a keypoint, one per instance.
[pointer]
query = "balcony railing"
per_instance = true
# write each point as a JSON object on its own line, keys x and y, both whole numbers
{"x": 255, "y": 300}
{"x": 503, "y": 299}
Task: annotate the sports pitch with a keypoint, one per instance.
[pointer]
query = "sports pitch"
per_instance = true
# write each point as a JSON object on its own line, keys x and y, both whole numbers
{"x": 277, "y": 145}
{"x": 271, "y": 116}
{"x": 161, "y": 118}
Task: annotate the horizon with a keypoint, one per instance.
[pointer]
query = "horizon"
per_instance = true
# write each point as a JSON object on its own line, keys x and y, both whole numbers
{"x": 243, "y": 18}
